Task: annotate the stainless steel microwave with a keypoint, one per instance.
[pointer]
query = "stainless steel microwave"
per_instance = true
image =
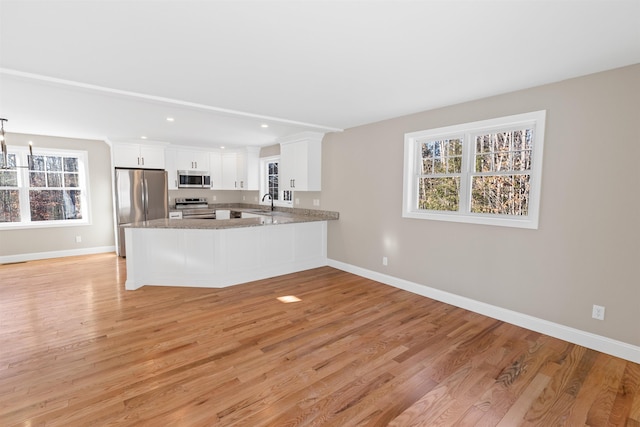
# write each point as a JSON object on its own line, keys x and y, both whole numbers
{"x": 194, "y": 179}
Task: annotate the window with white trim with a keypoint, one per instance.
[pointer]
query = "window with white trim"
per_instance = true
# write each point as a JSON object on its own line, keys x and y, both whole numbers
{"x": 47, "y": 189}
{"x": 486, "y": 172}
{"x": 271, "y": 170}
{"x": 270, "y": 182}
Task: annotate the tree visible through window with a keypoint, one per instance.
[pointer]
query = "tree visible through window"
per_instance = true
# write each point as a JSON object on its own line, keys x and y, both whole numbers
{"x": 501, "y": 179}
{"x": 9, "y": 193}
{"x": 53, "y": 188}
{"x": 439, "y": 184}
{"x": 43, "y": 188}
{"x": 272, "y": 179}
{"x": 484, "y": 172}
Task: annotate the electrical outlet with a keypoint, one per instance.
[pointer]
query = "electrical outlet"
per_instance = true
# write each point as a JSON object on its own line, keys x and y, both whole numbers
{"x": 78, "y": 239}
{"x": 297, "y": 201}
{"x": 244, "y": 198}
{"x": 385, "y": 261}
{"x": 598, "y": 312}
{"x": 215, "y": 198}
{"x": 316, "y": 202}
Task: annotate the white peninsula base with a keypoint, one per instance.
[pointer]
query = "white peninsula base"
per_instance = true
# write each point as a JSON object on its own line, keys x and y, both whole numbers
{"x": 216, "y": 258}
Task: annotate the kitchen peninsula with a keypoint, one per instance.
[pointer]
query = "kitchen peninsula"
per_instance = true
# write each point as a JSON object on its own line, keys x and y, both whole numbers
{"x": 215, "y": 253}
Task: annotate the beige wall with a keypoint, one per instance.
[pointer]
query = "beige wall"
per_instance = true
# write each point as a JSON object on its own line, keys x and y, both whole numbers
{"x": 587, "y": 248}
{"x": 96, "y": 235}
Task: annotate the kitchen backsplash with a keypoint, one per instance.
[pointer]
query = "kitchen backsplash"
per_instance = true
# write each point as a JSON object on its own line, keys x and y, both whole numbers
{"x": 301, "y": 199}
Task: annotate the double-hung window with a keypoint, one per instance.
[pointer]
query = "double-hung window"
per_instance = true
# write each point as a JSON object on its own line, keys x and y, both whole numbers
{"x": 271, "y": 171}
{"x": 270, "y": 182}
{"x": 48, "y": 189}
{"x": 269, "y": 178}
{"x": 9, "y": 190}
{"x": 486, "y": 172}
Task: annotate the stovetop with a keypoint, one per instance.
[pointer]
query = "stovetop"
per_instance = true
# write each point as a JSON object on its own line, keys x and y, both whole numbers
{"x": 191, "y": 202}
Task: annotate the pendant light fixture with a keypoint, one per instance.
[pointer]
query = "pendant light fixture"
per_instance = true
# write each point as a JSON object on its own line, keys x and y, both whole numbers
{"x": 3, "y": 146}
{"x": 4, "y": 153}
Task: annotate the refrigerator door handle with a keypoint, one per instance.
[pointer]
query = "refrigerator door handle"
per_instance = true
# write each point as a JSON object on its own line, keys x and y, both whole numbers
{"x": 145, "y": 197}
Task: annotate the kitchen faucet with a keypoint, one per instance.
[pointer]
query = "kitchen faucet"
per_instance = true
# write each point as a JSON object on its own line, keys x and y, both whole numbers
{"x": 271, "y": 197}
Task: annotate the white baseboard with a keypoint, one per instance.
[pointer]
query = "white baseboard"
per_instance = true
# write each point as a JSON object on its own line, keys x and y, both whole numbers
{"x": 55, "y": 254}
{"x": 576, "y": 336}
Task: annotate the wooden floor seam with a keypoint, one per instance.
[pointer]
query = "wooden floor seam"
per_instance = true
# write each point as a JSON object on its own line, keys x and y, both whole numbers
{"x": 76, "y": 349}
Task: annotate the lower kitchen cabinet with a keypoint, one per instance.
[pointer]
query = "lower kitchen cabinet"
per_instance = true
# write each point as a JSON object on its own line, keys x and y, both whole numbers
{"x": 222, "y": 257}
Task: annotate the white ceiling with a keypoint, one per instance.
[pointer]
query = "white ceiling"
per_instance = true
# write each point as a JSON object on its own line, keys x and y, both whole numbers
{"x": 117, "y": 69}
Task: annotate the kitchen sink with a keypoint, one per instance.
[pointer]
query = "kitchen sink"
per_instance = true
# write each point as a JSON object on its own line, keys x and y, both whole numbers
{"x": 261, "y": 212}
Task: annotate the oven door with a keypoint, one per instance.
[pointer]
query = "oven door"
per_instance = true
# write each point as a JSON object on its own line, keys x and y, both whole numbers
{"x": 198, "y": 214}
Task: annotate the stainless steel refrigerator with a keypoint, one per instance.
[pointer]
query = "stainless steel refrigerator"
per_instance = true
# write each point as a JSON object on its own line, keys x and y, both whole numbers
{"x": 141, "y": 195}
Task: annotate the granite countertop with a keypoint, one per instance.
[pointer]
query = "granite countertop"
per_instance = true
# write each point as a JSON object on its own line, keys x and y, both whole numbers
{"x": 267, "y": 217}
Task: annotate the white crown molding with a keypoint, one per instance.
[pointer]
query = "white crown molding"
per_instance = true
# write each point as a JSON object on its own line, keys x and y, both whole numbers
{"x": 161, "y": 99}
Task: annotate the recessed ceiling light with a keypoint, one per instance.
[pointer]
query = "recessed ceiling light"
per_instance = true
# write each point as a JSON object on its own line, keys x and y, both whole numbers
{"x": 264, "y": 125}
{"x": 289, "y": 298}
{"x": 170, "y": 119}
{"x": 143, "y": 137}
{"x": 222, "y": 147}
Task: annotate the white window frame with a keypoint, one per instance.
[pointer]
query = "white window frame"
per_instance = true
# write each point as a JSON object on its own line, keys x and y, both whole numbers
{"x": 264, "y": 184}
{"x": 467, "y": 131}
{"x": 23, "y": 188}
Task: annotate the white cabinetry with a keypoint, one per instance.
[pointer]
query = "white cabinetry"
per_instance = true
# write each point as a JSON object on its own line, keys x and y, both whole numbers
{"x": 215, "y": 170}
{"x": 179, "y": 159}
{"x": 223, "y": 257}
{"x": 301, "y": 162}
{"x": 138, "y": 156}
{"x": 241, "y": 169}
{"x": 249, "y": 168}
{"x": 192, "y": 160}
{"x": 170, "y": 165}
{"x": 229, "y": 171}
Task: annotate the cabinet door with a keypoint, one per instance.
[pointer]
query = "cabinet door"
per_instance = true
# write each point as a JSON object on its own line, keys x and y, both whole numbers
{"x": 215, "y": 170}
{"x": 193, "y": 160}
{"x": 292, "y": 157}
{"x": 286, "y": 166}
{"x": 251, "y": 174}
{"x": 300, "y": 165}
{"x": 138, "y": 156}
{"x": 229, "y": 171}
{"x": 202, "y": 161}
{"x": 126, "y": 155}
{"x": 172, "y": 170}
{"x": 152, "y": 157}
{"x": 241, "y": 170}
{"x": 248, "y": 168}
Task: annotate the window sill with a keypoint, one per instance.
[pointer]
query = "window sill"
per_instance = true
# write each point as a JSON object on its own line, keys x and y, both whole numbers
{"x": 43, "y": 224}
{"x": 482, "y": 219}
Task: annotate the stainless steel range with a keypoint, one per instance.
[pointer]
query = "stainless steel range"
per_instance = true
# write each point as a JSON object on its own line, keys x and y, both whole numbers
{"x": 195, "y": 208}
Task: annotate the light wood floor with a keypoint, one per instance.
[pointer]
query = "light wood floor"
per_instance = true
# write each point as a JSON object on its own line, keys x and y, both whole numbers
{"x": 78, "y": 350}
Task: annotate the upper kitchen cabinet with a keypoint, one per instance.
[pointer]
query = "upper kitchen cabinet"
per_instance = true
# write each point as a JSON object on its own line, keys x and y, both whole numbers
{"x": 241, "y": 169}
{"x": 170, "y": 166}
{"x": 192, "y": 160}
{"x": 229, "y": 169}
{"x": 138, "y": 156}
{"x": 249, "y": 168}
{"x": 301, "y": 162}
{"x": 215, "y": 170}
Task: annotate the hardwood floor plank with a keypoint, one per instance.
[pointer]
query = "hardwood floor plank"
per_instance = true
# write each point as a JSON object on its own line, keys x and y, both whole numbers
{"x": 76, "y": 349}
